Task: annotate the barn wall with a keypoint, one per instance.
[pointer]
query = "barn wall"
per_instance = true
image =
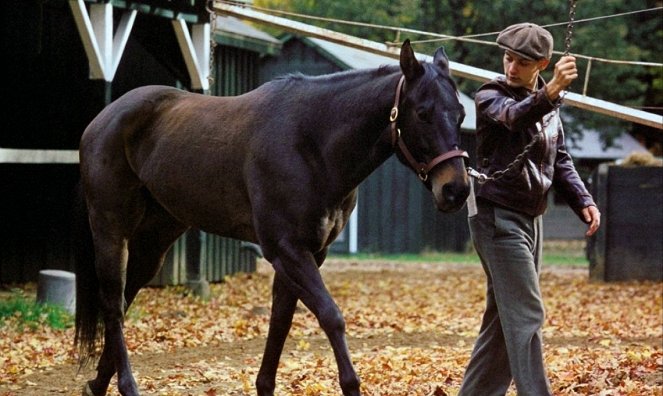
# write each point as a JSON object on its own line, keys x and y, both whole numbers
{"x": 48, "y": 102}
{"x": 398, "y": 215}
{"x": 629, "y": 243}
{"x": 36, "y": 207}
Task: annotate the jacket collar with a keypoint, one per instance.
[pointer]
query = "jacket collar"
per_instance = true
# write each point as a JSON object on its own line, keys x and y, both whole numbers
{"x": 519, "y": 92}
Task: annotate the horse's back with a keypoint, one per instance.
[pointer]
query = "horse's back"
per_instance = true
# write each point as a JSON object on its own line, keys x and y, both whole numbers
{"x": 128, "y": 111}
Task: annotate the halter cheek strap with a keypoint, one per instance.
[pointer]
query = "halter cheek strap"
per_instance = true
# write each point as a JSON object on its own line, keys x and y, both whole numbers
{"x": 422, "y": 169}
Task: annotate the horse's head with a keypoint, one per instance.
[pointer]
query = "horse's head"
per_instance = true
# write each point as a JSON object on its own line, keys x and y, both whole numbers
{"x": 426, "y": 128}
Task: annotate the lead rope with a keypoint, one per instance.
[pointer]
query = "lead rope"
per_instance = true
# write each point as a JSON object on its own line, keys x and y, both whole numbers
{"x": 482, "y": 177}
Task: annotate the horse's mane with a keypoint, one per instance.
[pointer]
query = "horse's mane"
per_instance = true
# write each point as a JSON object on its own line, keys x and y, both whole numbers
{"x": 299, "y": 80}
{"x": 331, "y": 77}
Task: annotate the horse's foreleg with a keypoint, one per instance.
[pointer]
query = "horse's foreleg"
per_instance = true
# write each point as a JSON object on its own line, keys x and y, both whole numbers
{"x": 284, "y": 303}
{"x": 302, "y": 276}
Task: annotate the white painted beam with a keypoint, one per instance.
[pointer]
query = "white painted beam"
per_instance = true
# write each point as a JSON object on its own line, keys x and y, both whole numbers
{"x": 200, "y": 33}
{"x": 88, "y": 37}
{"x": 96, "y": 30}
{"x": 101, "y": 17}
{"x": 192, "y": 57}
{"x": 121, "y": 38}
{"x": 31, "y": 156}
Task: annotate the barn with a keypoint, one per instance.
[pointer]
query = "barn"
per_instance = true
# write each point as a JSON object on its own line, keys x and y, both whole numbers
{"x": 68, "y": 59}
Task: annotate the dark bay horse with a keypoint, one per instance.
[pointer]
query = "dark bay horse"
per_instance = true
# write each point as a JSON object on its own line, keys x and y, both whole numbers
{"x": 278, "y": 166}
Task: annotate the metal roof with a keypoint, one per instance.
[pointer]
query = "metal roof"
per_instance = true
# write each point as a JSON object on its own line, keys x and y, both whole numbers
{"x": 590, "y": 146}
{"x": 233, "y": 32}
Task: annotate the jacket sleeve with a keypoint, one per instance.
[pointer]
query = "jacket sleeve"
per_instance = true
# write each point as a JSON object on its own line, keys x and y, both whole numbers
{"x": 566, "y": 180}
{"x": 493, "y": 102}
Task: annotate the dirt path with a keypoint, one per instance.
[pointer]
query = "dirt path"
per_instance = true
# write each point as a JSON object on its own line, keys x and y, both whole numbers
{"x": 185, "y": 364}
{"x": 410, "y": 331}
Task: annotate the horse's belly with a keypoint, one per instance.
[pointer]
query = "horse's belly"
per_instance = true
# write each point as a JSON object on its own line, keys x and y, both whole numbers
{"x": 218, "y": 208}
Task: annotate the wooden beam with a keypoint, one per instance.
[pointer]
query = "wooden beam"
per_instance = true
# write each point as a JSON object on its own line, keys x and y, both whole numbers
{"x": 30, "y": 156}
{"x": 85, "y": 30}
{"x": 194, "y": 54}
{"x": 121, "y": 38}
{"x": 458, "y": 69}
{"x": 96, "y": 30}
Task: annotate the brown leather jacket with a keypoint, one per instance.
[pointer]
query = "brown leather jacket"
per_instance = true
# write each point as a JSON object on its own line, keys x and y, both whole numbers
{"x": 507, "y": 119}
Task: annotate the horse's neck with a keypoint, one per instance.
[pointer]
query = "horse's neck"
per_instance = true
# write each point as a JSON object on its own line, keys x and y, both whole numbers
{"x": 359, "y": 139}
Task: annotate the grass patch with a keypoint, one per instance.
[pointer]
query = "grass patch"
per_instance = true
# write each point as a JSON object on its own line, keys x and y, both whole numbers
{"x": 432, "y": 257}
{"x": 555, "y": 253}
{"x": 25, "y": 312}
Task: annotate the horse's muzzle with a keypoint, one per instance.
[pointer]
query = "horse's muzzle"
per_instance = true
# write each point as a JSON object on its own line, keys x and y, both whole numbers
{"x": 455, "y": 194}
{"x": 451, "y": 196}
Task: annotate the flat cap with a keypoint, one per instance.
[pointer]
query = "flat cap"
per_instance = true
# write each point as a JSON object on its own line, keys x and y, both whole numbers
{"x": 528, "y": 40}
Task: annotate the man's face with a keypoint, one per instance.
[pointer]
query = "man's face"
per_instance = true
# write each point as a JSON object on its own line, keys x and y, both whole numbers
{"x": 522, "y": 72}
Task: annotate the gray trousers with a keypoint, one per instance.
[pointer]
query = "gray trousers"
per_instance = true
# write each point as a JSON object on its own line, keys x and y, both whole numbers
{"x": 509, "y": 345}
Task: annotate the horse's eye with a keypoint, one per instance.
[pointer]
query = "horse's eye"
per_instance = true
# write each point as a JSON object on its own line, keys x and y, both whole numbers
{"x": 424, "y": 116}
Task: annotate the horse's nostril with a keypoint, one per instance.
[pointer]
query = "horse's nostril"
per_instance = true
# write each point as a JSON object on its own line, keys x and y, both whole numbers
{"x": 449, "y": 193}
{"x": 455, "y": 192}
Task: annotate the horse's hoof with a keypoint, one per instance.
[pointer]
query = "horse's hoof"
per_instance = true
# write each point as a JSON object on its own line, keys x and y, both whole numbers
{"x": 87, "y": 391}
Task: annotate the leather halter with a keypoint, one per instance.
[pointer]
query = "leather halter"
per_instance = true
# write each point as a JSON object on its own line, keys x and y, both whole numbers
{"x": 422, "y": 169}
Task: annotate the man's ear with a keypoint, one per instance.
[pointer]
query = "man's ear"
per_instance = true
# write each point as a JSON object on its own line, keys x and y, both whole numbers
{"x": 543, "y": 64}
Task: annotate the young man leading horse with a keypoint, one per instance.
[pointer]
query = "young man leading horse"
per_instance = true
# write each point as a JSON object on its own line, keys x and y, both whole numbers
{"x": 515, "y": 111}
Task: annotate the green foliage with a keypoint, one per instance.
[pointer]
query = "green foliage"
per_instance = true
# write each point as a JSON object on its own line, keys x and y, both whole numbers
{"x": 32, "y": 314}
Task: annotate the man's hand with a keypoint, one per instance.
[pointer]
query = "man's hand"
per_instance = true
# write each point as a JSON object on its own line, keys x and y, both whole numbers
{"x": 592, "y": 216}
{"x": 564, "y": 74}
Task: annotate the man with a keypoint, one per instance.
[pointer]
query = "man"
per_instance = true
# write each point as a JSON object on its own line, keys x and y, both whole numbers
{"x": 505, "y": 220}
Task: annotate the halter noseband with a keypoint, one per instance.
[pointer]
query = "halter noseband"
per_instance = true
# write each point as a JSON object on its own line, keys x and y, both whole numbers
{"x": 420, "y": 168}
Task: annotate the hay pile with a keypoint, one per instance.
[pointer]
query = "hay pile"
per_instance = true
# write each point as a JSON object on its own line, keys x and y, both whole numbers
{"x": 642, "y": 158}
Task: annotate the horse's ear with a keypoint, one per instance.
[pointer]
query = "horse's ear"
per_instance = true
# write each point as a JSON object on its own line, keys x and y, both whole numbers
{"x": 410, "y": 66}
{"x": 441, "y": 60}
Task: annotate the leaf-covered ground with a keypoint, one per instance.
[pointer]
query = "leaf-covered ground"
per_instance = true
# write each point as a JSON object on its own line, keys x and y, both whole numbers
{"x": 410, "y": 327}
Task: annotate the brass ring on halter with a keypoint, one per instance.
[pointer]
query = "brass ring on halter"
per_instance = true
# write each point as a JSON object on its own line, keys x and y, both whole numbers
{"x": 394, "y": 114}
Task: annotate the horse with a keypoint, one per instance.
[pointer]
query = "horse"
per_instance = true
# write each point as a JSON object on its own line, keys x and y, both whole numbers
{"x": 278, "y": 166}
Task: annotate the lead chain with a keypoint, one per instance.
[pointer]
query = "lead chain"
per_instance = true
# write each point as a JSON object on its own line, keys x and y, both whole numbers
{"x": 212, "y": 42}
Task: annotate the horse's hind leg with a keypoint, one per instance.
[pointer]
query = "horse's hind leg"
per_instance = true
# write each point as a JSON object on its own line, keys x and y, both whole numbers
{"x": 111, "y": 252}
{"x": 147, "y": 248}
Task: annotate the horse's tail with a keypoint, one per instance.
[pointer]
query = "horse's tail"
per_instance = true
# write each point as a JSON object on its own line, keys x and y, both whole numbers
{"x": 88, "y": 324}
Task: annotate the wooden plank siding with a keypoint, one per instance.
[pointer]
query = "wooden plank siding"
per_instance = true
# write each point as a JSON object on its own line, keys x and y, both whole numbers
{"x": 398, "y": 215}
{"x": 629, "y": 243}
